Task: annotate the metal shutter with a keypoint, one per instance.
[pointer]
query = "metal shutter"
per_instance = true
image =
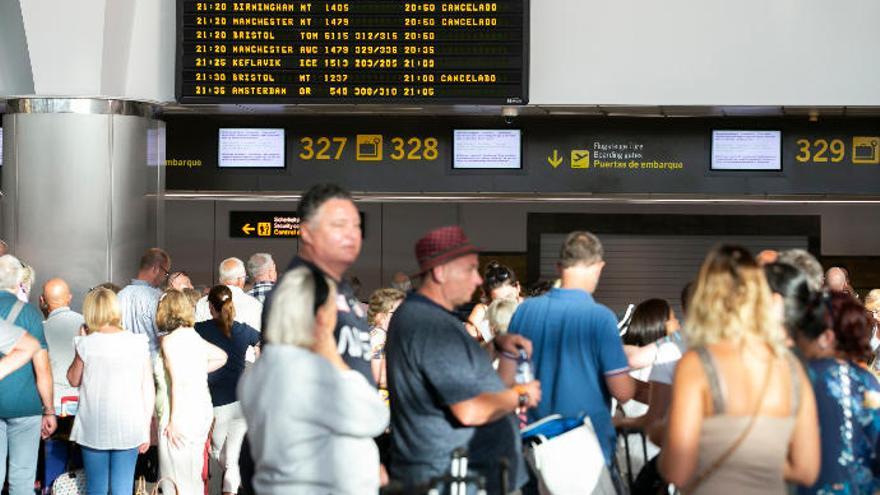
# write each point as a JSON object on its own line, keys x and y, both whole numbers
{"x": 642, "y": 267}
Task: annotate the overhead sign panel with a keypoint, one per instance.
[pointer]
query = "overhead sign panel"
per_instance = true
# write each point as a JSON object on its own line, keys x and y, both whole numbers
{"x": 263, "y": 224}
{"x": 346, "y": 51}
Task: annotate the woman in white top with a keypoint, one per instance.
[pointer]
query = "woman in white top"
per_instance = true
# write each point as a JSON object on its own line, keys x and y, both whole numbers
{"x": 185, "y": 424}
{"x": 112, "y": 369}
{"x": 652, "y": 320}
{"x": 311, "y": 420}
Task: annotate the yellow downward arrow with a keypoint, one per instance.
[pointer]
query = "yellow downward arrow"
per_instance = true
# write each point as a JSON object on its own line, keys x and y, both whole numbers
{"x": 247, "y": 229}
{"x": 555, "y": 160}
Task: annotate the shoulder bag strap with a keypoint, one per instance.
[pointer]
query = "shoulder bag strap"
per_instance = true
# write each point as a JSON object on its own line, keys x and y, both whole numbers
{"x": 14, "y": 312}
{"x": 794, "y": 365}
{"x": 712, "y": 376}
{"x": 739, "y": 440}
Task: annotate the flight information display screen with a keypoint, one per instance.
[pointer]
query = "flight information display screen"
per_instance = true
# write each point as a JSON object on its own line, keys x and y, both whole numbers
{"x": 352, "y": 51}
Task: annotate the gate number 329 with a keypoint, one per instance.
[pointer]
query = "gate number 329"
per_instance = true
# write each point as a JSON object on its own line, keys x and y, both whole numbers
{"x": 820, "y": 151}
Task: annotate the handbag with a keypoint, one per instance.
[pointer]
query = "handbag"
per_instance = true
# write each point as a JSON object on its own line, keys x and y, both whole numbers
{"x": 163, "y": 480}
{"x": 70, "y": 483}
{"x": 570, "y": 462}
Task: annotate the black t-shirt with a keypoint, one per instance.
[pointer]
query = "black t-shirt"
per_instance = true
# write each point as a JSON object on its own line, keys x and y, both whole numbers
{"x": 432, "y": 364}
{"x": 352, "y": 331}
{"x": 223, "y": 381}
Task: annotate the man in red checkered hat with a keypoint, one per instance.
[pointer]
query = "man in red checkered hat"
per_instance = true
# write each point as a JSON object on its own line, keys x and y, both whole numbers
{"x": 445, "y": 395}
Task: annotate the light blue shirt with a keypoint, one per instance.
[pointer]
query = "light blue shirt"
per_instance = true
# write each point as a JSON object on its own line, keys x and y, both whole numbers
{"x": 138, "y": 302}
{"x": 60, "y": 328}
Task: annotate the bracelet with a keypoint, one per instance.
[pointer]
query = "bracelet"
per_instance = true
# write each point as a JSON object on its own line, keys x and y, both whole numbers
{"x": 523, "y": 395}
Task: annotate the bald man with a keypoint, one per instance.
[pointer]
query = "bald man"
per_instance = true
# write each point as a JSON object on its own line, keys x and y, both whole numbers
{"x": 61, "y": 326}
{"x": 837, "y": 280}
{"x": 248, "y": 309}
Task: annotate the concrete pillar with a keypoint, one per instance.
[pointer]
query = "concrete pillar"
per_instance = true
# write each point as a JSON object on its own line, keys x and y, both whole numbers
{"x": 83, "y": 184}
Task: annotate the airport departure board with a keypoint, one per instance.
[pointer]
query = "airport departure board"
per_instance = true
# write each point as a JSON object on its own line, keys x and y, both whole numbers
{"x": 352, "y": 51}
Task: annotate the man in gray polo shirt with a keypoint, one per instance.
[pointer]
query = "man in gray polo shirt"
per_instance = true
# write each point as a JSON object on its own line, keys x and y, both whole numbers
{"x": 60, "y": 327}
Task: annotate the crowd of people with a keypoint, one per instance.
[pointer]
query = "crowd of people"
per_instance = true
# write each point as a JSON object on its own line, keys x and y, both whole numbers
{"x": 764, "y": 383}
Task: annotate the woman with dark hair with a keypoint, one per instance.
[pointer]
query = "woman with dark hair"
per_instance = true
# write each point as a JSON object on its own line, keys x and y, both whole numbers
{"x": 229, "y": 425}
{"x": 499, "y": 282}
{"x": 651, "y": 321}
{"x": 847, "y": 396}
{"x": 800, "y": 310}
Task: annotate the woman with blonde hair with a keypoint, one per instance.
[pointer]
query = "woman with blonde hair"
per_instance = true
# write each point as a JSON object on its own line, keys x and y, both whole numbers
{"x": 381, "y": 307}
{"x": 234, "y": 338}
{"x": 184, "y": 425}
{"x": 743, "y": 415}
{"x": 311, "y": 419}
{"x": 112, "y": 368}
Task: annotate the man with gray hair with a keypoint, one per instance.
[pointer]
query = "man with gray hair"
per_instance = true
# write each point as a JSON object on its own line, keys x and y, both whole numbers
{"x": 577, "y": 352}
{"x": 261, "y": 268}
{"x": 807, "y": 263}
{"x": 26, "y": 409}
{"x": 248, "y": 310}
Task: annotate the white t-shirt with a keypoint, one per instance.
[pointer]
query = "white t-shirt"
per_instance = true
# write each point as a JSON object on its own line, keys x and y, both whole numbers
{"x": 112, "y": 413}
{"x": 668, "y": 354}
{"x": 248, "y": 309}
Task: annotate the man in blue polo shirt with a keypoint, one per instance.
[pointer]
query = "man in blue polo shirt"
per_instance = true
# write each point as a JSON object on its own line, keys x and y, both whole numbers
{"x": 577, "y": 352}
{"x": 26, "y": 410}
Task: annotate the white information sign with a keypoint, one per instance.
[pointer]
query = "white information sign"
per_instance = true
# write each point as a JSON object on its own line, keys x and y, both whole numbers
{"x": 251, "y": 148}
{"x": 487, "y": 149}
{"x": 746, "y": 150}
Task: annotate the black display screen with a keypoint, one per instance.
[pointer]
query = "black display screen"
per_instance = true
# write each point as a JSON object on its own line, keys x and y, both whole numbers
{"x": 352, "y": 51}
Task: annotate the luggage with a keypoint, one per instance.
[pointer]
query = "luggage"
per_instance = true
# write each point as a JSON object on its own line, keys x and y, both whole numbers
{"x": 566, "y": 457}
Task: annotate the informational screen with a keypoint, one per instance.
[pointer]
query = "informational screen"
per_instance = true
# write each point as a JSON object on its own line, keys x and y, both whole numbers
{"x": 487, "y": 149}
{"x": 345, "y": 51}
{"x": 251, "y": 148}
{"x": 745, "y": 150}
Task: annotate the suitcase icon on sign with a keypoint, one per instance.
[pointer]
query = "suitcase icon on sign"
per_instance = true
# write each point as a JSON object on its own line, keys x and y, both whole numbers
{"x": 866, "y": 150}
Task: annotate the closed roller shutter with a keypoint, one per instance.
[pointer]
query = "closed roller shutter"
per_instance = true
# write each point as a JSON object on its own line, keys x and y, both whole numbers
{"x": 642, "y": 267}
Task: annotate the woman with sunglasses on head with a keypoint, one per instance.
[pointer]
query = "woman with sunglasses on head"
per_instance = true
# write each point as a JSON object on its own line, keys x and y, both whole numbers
{"x": 847, "y": 396}
{"x": 743, "y": 416}
{"x": 234, "y": 338}
{"x": 311, "y": 419}
{"x": 499, "y": 282}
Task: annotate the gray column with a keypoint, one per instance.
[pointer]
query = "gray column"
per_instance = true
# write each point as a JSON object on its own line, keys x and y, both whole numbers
{"x": 83, "y": 184}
